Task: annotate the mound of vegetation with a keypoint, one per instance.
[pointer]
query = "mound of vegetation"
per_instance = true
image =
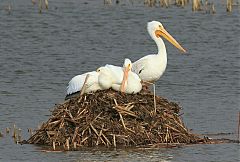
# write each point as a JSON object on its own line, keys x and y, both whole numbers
{"x": 111, "y": 118}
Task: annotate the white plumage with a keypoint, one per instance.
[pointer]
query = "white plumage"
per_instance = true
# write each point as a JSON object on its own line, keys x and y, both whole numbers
{"x": 116, "y": 75}
{"x": 151, "y": 67}
{"x": 76, "y": 83}
{"x": 105, "y": 78}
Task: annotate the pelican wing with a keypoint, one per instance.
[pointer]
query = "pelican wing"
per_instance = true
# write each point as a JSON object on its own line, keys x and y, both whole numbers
{"x": 76, "y": 83}
{"x": 116, "y": 72}
{"x": 135, "y": 76}
{"x": 140, "y": 65}
{"x": 133, "y": 83}
{"x": 149, "y": 68}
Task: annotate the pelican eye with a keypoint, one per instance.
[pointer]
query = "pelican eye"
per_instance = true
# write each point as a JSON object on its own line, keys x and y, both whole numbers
{"x": 98, "y": 70}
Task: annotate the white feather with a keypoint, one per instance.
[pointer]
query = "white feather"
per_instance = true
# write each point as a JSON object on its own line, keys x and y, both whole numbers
{"x": 76, "y": 83}
{"x": 151, "y": 67}
{"x": 133, "y": 84}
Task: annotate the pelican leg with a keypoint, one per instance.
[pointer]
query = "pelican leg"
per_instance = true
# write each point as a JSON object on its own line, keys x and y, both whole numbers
{"x": 145, "y": 83}
{"x": 154, "y": 99}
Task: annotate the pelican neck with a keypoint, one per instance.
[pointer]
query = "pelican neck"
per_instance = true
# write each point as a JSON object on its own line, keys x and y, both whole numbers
{"x": 161, "y": 47}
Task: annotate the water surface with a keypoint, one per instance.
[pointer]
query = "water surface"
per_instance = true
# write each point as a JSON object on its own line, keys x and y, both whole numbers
{"x": 40, "y": 53}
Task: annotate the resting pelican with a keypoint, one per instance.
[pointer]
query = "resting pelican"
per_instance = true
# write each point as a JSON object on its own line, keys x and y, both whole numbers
{"x": 121, "y": 78}
{"x": 131, "y": 80}
{"x": 151, "y": 67}
{"x": 105, "y": 78}
{"x": 76, "y": 83}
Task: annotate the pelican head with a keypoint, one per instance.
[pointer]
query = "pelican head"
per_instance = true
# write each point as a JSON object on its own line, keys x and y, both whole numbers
{"x": 104, "y": 78}
{"x": 127, "y": 64}
{"x": 156, "y": 30}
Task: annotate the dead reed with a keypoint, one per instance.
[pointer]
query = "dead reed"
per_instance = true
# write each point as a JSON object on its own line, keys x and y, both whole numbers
{"x": 107, "y": 2}
{"x": 213, "y": 8}
{"x": 165, "y": 3}
{"x": 181, "y": 3}
{"x": 41, "y": 4}
{"x": 46, "y": 4}
{"x": 196, "y": 5}
{"x": 229, "y": 5}
{"x": 150, "y": 3}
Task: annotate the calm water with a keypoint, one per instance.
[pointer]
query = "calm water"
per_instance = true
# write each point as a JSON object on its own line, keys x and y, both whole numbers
{"x": 39, "y": 54}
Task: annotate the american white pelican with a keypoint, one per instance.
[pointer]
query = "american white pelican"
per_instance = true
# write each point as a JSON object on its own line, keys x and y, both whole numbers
{"x": 151, "y": 67}
{"x": 105, "y": 78}
{"x": 122, "y": 79}
{"x": 92, "y": 83}
{"x": 76, "y": 83}
{"x": 131, "y": 80}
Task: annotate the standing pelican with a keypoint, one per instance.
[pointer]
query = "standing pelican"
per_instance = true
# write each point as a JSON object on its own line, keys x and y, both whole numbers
{"x": 151, "y": 67}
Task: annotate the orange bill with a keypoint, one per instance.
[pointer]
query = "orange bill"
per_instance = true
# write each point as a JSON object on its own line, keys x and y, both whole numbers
{"x": 166, "y": 35}
{"x": 125, "y": 77}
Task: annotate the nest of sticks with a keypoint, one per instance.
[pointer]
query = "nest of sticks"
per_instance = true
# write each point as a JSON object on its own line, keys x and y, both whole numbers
{"x": 110, "y": 118}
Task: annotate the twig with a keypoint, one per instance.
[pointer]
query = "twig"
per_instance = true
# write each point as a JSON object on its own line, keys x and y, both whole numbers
{"x": 46, "y": 4}
{"x": 54, "y": 147}
{"x": 108, "y": 142}
{"x": 115, "y": 101}
{"x": 94, "y": 129}
{"x": 98, "y": 134}
{"x": 40, "y": 6}
{"x": 19, "y": 135}
{"x": 122, "y": 121}
{"x": 79, "y": 113}
{"x": 166, "y": 138}
{"x": 120, "y": 109}
{"x": 74, "y": 145}
{"x": 67, "y": 144}
{"x": 84, "y": 139}
{"x": 114, "y": 141}
{"x": 7, "y": 130}
{"x": 129, "y": 106}
{"x": 75, "y": 134}
{"x": 14, "y": 131}
{"x": 84, "y": 85}
{"x": 99, "y": 137}
{"x": 130, "y": 130}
